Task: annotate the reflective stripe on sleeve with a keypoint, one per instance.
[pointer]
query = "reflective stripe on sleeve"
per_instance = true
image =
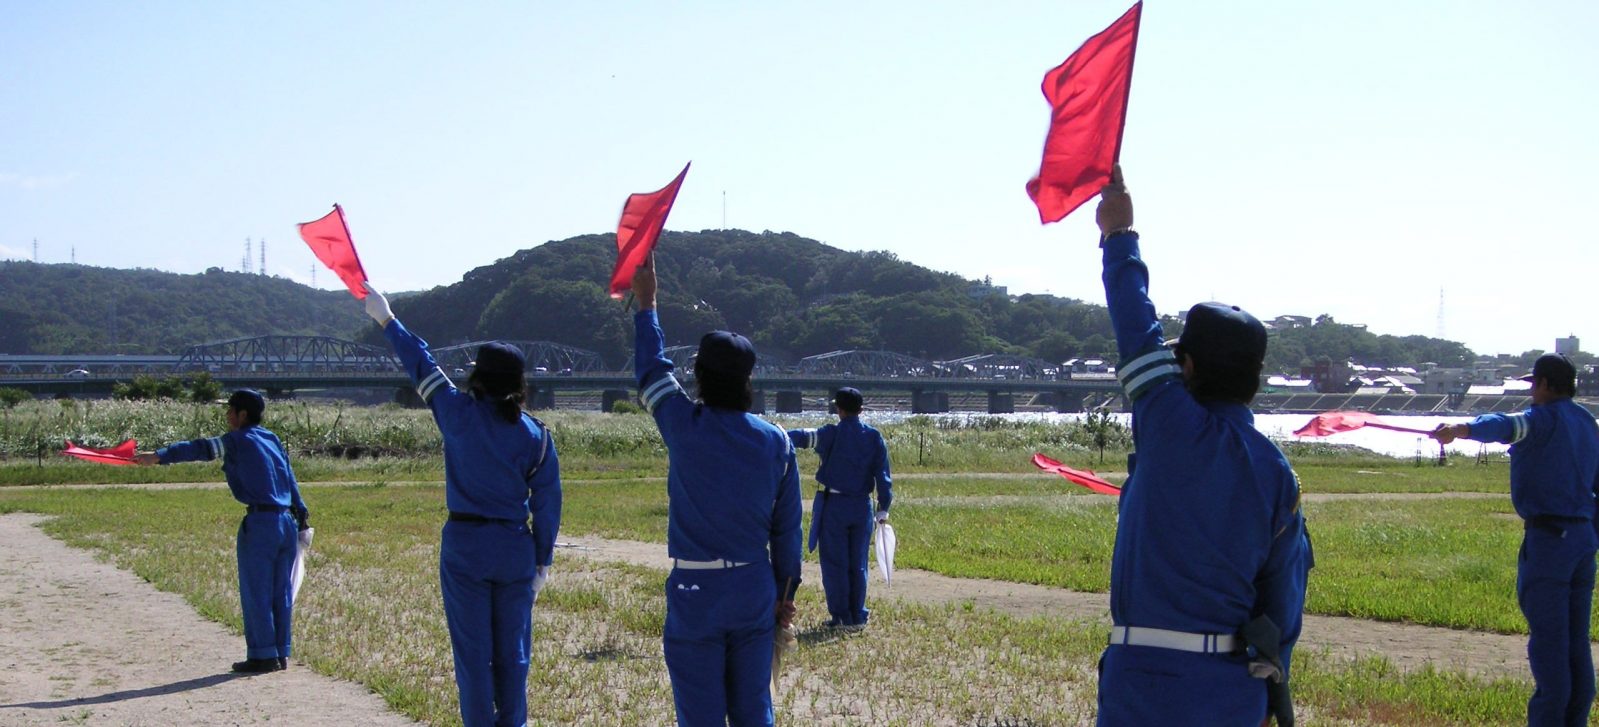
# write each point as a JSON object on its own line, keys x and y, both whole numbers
{"x": 218, "y": 447}
{"x": 658, "y": 391}
{"x": 431, "y": 384}
{"x": 1518, "y": 427}
{"x": 1144, "y": 372}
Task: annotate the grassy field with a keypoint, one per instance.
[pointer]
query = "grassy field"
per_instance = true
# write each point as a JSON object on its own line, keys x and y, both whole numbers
{"x": 372, "y": 611}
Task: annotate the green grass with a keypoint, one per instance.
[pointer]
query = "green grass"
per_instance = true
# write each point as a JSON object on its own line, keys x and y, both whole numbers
{"x": 370, "y": 612}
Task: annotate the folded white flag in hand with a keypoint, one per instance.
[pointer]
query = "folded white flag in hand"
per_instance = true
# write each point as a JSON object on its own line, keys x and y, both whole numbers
{"x": 884, "y": 539}
{"x": 297, "y": 572}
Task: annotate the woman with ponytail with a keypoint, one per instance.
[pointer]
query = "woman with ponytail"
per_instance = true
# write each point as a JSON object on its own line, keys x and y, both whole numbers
{"x": 502, "y": 484}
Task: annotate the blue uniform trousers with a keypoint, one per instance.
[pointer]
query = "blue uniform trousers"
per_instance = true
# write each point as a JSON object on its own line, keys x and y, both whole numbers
{"x": 718, "y": 643}
{"x": 1554, "y": 585}
{"x": 844, "y": 541}
{"x": 1141, "y": 686}
{"x": 486, "y": 574}
{"x": 266, "y": 545}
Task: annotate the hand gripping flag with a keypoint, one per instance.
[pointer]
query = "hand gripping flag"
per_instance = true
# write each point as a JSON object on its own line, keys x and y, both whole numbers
{"x": 329, "y": 239}
{"x": 1333, "y": 422}
{"x": 1080, "y": 477}
{"x": 1088, "y": 108}
{"x": 643, "y": 216}
{"x": 121, "y": 454}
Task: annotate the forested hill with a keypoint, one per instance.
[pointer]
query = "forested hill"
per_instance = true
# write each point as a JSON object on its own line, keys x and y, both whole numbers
{"x": 794, "y": 296}
{"x": 59, "y": 309}
{"x": 798, "y": 297}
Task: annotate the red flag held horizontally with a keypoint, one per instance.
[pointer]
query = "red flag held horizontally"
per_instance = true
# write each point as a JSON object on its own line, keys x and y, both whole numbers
{"x": 643, "y": 216}
{"x": 1088, "y": 100}
{"x": 121, "y": 454}
{"x": 1333, "y": 422}
{"x": 329, "y": 239}
{"x": 1080, "y": 477}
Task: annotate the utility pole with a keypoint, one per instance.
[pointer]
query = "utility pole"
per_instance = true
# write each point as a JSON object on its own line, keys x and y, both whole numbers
{"x": 244, "y": 267}
{"x": 263, "y": 257}
{"x": 74, "y": 254}
{"x": 724, "y": 209}
{"x": 1440, "y": 311}
{"x": 36, "y": 249}
{"x": 313, "y": 275}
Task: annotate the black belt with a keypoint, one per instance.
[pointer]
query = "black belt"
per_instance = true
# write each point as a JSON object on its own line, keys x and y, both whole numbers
{"x": 1554, "y": 524}
{"x": 467, "y": 517}
{"x": 266, "y": 508}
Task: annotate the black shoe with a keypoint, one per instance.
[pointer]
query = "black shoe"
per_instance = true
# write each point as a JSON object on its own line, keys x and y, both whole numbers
{"x": 283, "y": 663}
{"x": 256, "y": 666}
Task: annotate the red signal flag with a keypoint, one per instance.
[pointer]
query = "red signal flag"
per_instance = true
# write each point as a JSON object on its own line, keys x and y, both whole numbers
{"x": 1080, "y": 477}
{"x": 329, "y": 239}
{"x": 643, "y": 216}
{"x": 121, "y": 454}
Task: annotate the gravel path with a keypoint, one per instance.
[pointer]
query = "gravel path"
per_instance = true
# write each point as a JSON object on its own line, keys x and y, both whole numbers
{"x": 82, "y": 642}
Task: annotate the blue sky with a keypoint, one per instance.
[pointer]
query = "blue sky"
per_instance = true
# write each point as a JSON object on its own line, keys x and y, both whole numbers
{"x": 1348, "y": 158}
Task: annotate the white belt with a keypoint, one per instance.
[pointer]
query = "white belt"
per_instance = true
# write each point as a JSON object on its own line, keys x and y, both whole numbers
{"x": 829, "y": 489}
{"x": 1177, "y": 640}
{"x": 705, "y": 564}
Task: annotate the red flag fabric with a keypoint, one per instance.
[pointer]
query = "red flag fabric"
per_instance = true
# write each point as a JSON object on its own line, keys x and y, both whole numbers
{"x": 329, "y": 239}
{"x": 1088, "y": 100}
{"x": 1080, "y": 477}
{"x": 121, "y": 454}
{"x": 643, "y": 216}
{"x": 1333, "y": 422}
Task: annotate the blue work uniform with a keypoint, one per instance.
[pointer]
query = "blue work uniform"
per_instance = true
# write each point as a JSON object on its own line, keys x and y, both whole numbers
{"x": 259, "y": 475}
{"x": 1554, "y": 471}
{"x": 733, "y": 532}
{"x": 496, "y": 473}
{"x": 854, "y": 463}
{"x": 1209, "y": 537}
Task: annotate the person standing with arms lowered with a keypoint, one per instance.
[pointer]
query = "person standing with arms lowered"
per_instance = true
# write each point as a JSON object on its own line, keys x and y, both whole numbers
{"x": 1554, "y": 474}
{"x": 854, "y": 462}
{"x": 499, "y": 467}
{"x": 259, "y": 475}
{"x": 1211, "y": 558}
{"x": 733, "y": 524}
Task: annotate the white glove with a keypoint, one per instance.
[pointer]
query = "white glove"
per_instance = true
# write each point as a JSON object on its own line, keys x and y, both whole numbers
{"x": 882, "y": 516}
{"x": 377, "y": 306}
{"x": 541, "y": 574}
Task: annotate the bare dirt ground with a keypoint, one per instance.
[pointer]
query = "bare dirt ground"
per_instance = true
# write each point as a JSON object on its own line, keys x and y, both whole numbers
{"x": 1408, "y": 646}
{"x": 82, "y": 642}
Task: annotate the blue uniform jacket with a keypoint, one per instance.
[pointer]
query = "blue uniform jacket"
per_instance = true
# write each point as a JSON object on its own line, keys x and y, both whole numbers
{"x": 1210, "y": 532}
{"x": 854, "y": 458}
{"x": 492, "y": 468}
{"x": 731, "y": 477}
{"x": 1554, "y": 457}
{"x": 253, "y": 460}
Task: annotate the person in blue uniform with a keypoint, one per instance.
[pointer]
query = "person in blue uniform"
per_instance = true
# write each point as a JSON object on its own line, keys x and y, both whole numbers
{"x": 1554, "y": 473}
{"x": 1211, "y": 557}
{"x": 258, "y": 472}
{"x": 500, "y": 468}
{"x": 854, "y": 464}
{"x": 733, "y": 524}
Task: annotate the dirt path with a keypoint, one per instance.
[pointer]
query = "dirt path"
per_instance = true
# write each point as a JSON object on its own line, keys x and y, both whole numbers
{"x": 1408, "y": 646}
{"x": 82, "y": 642}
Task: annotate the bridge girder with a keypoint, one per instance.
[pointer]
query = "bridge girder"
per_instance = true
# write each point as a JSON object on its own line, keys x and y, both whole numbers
{"x": 878, "y": 364}
{"x": 1001, "y": 365}
{"x": 552, "y": 357}
{"x": 308, "y": 354}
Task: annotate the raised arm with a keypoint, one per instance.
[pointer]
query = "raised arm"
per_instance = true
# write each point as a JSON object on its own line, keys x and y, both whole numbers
{"x": 656, "y": 382}
{"x": 415, "y": 358}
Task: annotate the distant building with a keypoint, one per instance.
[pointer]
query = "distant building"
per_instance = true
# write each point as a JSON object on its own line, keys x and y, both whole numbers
{"x": 1285, "y": 322}
{"x": 1568, "y": 345}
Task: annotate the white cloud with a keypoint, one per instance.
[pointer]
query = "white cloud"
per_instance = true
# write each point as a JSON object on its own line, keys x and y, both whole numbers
{"x": 36, "y": 181}
{"x": 11, "y": 253}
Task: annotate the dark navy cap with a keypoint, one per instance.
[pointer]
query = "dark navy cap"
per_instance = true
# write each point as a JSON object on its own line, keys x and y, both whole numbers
{"x": 248, "y": 401}
{"x": 726, "y": 353}
{"x": 499, "y": 358}
{"x": 1217, "y": 333}
{"x": 849, "y": 399}
{"x": 1556, "y": 369}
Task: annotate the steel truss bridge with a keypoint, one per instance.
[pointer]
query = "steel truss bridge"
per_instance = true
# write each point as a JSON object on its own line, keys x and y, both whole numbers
{"x": 281, "y": 364}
